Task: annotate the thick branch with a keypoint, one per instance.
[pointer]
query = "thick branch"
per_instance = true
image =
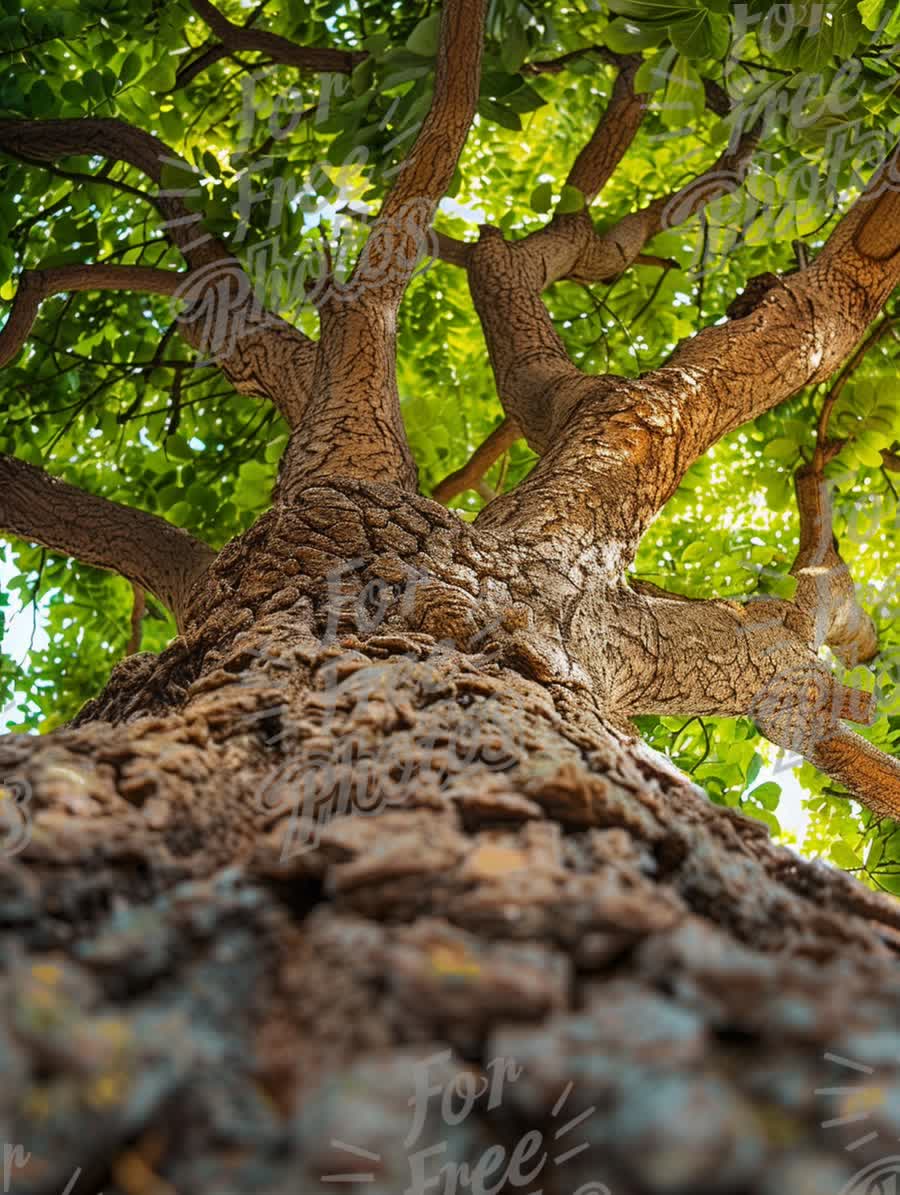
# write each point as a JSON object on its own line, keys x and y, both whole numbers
{"x": 278, "y": 49}
{"x": 401, "y": 231}
{"x": 467, "y": 478}
{"x": 145, "y": 549}
{"x": 258, "y": 352}
{"x": 687, "y": 658}
{"x": 50, "y": 140}
{"x": 442, "y": 245}
{"x": 353, "y": 426}
{"x": 605, "y": 257}
{"x": 536, "y": 379}
{"x": 871, "y": 775}
{"x": 618, "y": 448}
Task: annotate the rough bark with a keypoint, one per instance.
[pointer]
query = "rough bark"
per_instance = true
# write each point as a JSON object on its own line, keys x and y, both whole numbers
{"x": 352, "y": 426}
{"x": 142, "y": 547}
{"x": 492, "y": 868}
{"x": 382, "y": 799}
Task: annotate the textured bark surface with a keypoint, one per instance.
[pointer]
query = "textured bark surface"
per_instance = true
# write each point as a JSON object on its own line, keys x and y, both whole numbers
{"x": 381, "y": 807}
{"x": 202, "y": 987}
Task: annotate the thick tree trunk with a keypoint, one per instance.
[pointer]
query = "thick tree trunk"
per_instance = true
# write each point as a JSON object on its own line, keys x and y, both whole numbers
{"x": 366, "y": 811}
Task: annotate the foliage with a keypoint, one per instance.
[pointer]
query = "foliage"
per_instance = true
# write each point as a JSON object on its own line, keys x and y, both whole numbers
{"x": 107, "y": 396}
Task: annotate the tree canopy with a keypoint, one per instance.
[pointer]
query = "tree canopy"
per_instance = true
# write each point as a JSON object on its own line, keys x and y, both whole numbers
{"x": 286, "y": 129}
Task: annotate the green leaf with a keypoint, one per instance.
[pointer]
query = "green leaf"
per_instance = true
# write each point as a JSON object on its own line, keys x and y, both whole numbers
{"x": 404, "y": 75}
{"x": 875, "y": 853}
{"x": 500, "y": 115}
{"x": 177, "y": 446}
{"x": 178, "y": 176}
{"x": 514, "y": 47}
{"x": 73, "y": 92}
{"x": 376, "y": 43}
{"x": 685, "y": 97}
{"x": 171, "y": 124}
{"x": 653, "y": 73}
{"x": 755, "y": 767}
{"x": 646, "y": 10}
{"x": 424, "y": 38}
{"x": 131, "y": 67}
{"x": 768, "y": 819}
{"x": 542, "y": 197}
{"x": 524, "y": 99}
{"x": 180, "y": 514}
{"x": 624, "y": 37}
{"x": 768, "y": 794}
{"x": 571, "y": 200}
{"x": 844, "y": 857}
{"x": 161, "y": 77}
{"x": 41, "y": 100}
{"x": 92, "y": 81}
{"x": 782, "y": 449}
{"x": 698, "y": 550}
{"x": 870, "y": 12}
{"x": 783, "y": 586}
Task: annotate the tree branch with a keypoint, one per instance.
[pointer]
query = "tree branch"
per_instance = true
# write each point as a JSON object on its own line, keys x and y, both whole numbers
{"x": 467, "y": 478}
{"x": 826, "y": 448}
{"x": 536, "y": 379}
{"x": 49, "y": 140}
{"x": 37, "y": 285}
{"x": 701, "y": 658}
{"x": 826, "y": 595}
{"x": 353, "y": 425}
{"x": 259, "y": 353}
{"x": 442, "y": 246}
{"x": 606, "y": 256}
{"x": 716, "y": 97}
{"x": 614, "y": 133}
{"x": 278, "y": 49}
{"x": 872, "y": 776}
{"x": 138, "y": 607}
{"x": 619, "y": 448}
{"x": 401, "y": 231}
{"x": 141, "y": 547}
{"x": 190, "y": 70}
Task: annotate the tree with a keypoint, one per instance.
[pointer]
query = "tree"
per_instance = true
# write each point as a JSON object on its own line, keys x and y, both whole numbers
{"x": 367, "y": 871}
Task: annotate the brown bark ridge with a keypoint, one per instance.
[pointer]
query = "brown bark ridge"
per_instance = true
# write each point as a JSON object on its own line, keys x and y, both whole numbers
{"x": 615, "y": 450}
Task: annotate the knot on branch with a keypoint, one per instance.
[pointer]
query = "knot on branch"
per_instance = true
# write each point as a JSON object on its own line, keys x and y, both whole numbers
{"x": 753, "y": 294}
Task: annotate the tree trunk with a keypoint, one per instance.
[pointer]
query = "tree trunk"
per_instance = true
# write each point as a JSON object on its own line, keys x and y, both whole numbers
{"x": 362, "y": 837}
